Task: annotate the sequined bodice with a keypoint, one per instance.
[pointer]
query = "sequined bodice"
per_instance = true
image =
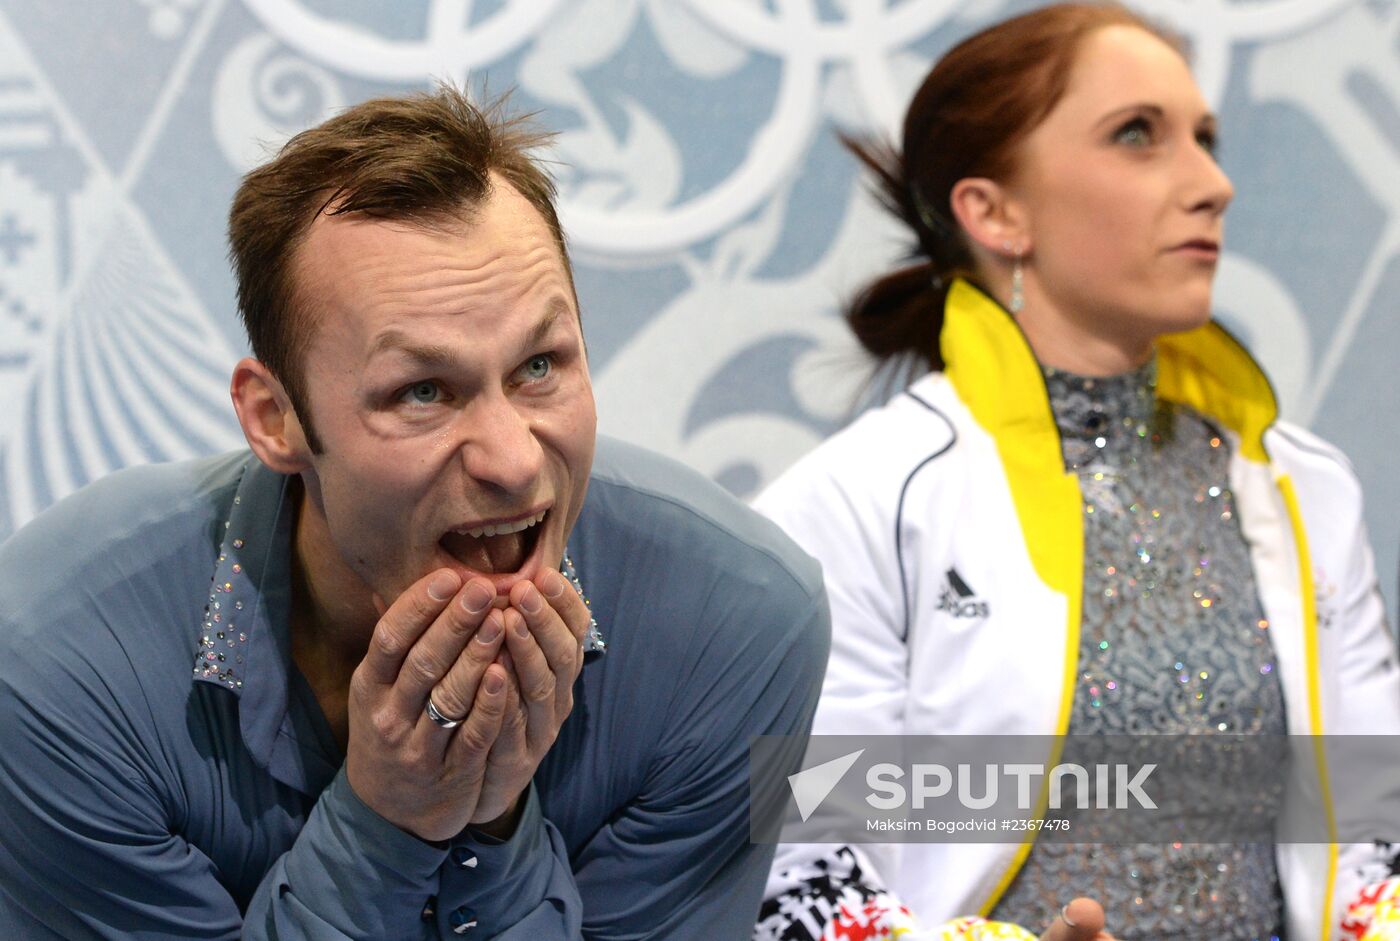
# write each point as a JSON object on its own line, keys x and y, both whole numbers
{"x": 1173, "y": 640}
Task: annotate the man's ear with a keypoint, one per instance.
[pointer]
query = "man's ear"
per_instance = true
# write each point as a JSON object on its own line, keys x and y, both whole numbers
{"x": 991, "y": 216}
{"x": 269, "y": 422}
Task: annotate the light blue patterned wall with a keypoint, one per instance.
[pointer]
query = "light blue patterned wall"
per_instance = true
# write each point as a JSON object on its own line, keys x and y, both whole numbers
{"x": 715, "y": 223}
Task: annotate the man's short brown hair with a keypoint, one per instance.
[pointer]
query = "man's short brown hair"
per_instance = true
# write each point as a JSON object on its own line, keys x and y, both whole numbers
{"x": 422, "y": 158}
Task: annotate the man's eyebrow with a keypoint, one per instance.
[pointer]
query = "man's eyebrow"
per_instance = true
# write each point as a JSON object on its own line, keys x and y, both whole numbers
{"x": 395, "y": 340}
{"x": 557, "y": 308}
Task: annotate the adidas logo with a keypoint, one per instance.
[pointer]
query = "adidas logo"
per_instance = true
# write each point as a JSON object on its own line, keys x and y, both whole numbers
{"x": 959, "y": 600}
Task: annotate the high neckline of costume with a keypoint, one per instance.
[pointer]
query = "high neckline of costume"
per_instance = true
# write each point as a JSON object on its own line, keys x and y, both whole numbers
{"x": 1092, "y": 407}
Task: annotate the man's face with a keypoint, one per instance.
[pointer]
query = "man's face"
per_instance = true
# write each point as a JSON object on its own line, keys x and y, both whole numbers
{"x": 448, "y": 384}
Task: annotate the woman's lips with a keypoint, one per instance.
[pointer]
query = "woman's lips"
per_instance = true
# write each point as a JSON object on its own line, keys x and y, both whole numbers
{"x": 1203, "y": 249}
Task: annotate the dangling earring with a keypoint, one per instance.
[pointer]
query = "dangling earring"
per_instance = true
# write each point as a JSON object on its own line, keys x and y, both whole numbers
{"x": 1018, "y": 297}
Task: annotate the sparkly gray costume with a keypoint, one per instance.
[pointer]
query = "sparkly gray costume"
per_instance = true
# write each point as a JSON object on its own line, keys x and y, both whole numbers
{"x": 1173, "y": 640}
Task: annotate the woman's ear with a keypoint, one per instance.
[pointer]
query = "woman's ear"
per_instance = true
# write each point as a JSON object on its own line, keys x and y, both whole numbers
{"x": 269, "y": 421}
{"x": 991, "y": 216}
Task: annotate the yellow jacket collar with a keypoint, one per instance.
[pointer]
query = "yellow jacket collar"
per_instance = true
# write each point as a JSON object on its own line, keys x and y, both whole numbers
{"x": 990, "y": 363}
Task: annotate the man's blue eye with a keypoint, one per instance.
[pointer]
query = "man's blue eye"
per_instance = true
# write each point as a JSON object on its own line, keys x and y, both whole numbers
{"x": 422, "y": 393}
{"x": 537, "y": 367}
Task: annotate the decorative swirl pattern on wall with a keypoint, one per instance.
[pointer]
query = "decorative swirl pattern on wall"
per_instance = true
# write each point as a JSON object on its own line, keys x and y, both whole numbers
{"x": 449, "y": 47}
{"x": 261, "y": 98}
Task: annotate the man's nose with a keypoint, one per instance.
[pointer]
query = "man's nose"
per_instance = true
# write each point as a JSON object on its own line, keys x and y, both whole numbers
{"x": 500, "y": 448}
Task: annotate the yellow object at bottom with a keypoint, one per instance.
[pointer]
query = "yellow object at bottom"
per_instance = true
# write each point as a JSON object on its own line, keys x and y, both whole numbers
{"x": 979, "y": 929}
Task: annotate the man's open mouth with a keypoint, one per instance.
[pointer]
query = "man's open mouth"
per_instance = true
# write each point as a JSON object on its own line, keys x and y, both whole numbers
{"x": 495, "y": 548}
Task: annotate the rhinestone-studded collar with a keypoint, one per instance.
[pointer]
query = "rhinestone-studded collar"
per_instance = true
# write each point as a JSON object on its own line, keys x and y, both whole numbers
{"x": 244, "y": 638}
{"x": 593, "y": 641}
{"x": 250, "y": 589}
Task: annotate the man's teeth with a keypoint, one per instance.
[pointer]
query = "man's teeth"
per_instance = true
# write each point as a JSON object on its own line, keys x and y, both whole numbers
{"x": 502, "y": 529}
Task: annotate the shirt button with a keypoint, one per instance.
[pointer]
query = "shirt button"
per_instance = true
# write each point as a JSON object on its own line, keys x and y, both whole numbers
{"x": 430, "y": 907}
{"x": 463, "y": 858}
{"x": 462, "y": 919}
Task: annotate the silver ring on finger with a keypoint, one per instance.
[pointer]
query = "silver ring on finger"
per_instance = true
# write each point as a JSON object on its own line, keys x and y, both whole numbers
{"x": 438, "y": 719}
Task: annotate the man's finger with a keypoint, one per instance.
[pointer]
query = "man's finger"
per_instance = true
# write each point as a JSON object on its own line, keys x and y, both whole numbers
{"x": 550, "y": 628}
{"x": 471, "y": 744}
{"x": 537, "y": 682}
{"x": 441, "y": 645}
{"x": 404, "y": 622}
{"x": 559, "y": 644}
{"x": 1080, "y": 920}
{"x": 454, "y": 694}
{"x": 566, "y": 602}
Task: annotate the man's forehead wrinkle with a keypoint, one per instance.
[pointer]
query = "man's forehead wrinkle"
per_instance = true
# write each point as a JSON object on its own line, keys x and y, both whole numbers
{"x": 443, "y": 269}
{"x": 454, "y": 288}
{"x": 504, "y": 273}
{"x": 541, "y": 294}
{"x": 396, "y": 340}
{"x": 537, "y": 256}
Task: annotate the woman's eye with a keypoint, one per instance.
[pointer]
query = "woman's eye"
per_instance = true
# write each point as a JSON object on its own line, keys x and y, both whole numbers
{"x": 1136, "y": 133}
{"x": 536, "y": 368}
{"x": 1209, "y": 143}
{"x": 422, "y": 393}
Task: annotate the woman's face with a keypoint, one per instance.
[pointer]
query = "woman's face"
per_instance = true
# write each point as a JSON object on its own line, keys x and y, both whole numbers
{"x": 1123, "y": 200}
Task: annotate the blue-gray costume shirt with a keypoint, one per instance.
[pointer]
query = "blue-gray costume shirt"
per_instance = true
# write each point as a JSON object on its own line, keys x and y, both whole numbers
{"x": 166, "y": 772}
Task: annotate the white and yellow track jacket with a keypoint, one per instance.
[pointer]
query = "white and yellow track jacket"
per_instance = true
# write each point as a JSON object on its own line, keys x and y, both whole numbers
{"x": 964, "y": 471}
